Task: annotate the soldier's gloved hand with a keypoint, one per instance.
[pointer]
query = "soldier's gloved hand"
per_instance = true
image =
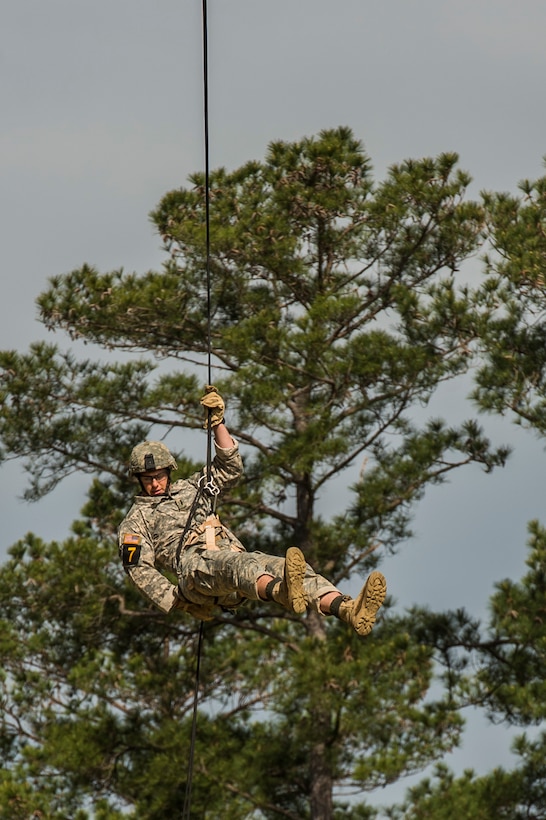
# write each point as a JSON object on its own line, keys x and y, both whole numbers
{"x": 214, "y": 406}
{"x": 202, "y": 612}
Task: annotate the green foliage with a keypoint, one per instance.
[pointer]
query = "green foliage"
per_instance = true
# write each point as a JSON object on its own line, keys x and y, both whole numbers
{"x": 508, "y": 655}
{"x": 516, "y": 795}
{"x": 500, "y": 668}
{"x": 512, "y": 680}
{"x": 513, "y": 375}
{"x": 97, "y": 696}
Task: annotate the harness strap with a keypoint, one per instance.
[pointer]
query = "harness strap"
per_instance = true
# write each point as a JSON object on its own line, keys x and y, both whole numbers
{"x": 209, "y": 525}
{"x": 209, "y": 528}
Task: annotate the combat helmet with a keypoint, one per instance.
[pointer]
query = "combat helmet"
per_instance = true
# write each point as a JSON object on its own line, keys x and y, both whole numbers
{"x": 150, "y": 455}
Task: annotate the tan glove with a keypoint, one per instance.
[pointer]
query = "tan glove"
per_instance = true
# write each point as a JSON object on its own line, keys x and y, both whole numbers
{"x": 212, "y": 401}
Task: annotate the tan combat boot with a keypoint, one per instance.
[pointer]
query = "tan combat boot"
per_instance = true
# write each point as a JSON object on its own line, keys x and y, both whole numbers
{"x": 288, "y": 591}
{"x": 360, "y": 612}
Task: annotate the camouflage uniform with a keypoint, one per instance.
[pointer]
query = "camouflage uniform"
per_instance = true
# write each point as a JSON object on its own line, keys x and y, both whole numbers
{"x": 214, "y": 567}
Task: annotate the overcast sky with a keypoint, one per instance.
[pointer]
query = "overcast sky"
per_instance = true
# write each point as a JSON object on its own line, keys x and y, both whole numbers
{"x": 101, "y": 107}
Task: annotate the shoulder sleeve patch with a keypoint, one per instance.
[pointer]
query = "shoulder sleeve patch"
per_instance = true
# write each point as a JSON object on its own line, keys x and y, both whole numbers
{"x": 130, "y": 549}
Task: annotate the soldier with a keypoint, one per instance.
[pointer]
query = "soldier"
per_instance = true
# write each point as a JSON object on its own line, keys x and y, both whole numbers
{"x": 169, "y": 528}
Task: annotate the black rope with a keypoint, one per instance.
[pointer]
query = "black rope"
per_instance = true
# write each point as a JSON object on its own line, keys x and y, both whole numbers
{"x": 207, "y": 223}
{"x": 189, "y": 779}
{"x": 189, "y": 520}
{"x": 187, "y": 799}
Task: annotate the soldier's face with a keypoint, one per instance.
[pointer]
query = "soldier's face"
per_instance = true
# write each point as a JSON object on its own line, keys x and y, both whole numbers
{"x": 155, "y": 482}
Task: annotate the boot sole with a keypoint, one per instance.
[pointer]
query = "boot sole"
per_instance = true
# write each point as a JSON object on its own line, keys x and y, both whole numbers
{"x": 295, "y": 567}
{"x": 368, "y": 603}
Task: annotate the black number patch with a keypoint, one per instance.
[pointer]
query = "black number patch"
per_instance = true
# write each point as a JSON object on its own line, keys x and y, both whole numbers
{"x": 131, "y": 550}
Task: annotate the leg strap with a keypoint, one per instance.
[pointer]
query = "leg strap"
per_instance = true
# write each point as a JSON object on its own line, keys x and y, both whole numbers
{"x": 270, "y": 588}
{"x": 336, "y": 604}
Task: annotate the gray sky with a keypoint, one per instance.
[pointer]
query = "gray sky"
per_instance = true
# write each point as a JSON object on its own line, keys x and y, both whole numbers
{"x": 102, "y": 112}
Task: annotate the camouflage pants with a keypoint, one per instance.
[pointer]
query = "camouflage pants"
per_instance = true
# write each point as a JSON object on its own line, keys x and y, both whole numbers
{"x": 230, "y": 576}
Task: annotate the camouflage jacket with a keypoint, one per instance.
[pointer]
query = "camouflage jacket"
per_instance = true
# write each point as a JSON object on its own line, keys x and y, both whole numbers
{"x": 149, "y": 535}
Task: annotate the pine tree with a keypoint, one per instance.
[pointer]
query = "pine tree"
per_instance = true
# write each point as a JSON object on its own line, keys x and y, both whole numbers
{"x": 334, "y": 316}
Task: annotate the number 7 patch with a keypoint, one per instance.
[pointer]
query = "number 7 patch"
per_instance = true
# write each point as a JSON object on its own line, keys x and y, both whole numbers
{"x": 131, "y": 549}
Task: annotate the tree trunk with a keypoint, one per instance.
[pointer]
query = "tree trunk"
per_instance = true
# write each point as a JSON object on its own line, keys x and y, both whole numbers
{"x": 321, "y": 785}
{"x": 321, "y": 778}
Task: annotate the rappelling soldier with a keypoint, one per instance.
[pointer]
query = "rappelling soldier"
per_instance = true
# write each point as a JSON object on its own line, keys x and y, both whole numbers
{"x": 170, "y": 529}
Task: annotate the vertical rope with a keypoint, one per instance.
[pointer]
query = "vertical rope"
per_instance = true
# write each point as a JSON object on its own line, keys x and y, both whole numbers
{"x": 207, "y": 220}
{"x": 189, "y": 778}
